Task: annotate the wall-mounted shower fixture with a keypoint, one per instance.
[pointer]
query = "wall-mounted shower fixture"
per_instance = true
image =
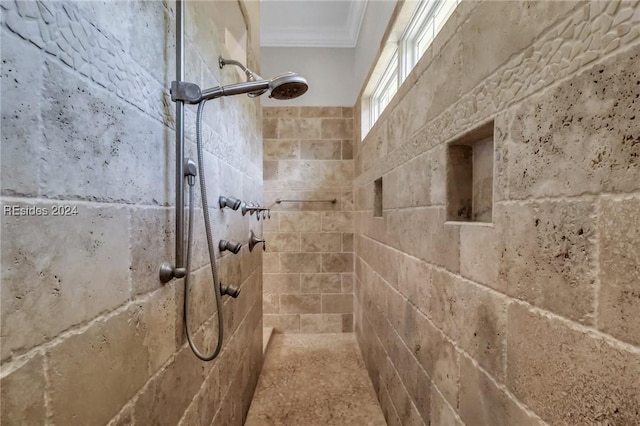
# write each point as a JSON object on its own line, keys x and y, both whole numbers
{"x": 253, "y": 240}
{"x": 229, "y": 290}
{"x": 251, "y": 208}
{"x": 233, "y": 246}
{"x": 230, "y": 202}
{"x": 285, "y": 86}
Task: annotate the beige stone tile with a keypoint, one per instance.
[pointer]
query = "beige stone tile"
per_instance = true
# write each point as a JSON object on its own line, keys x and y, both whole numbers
{"x": 414, "y": 187}
{"x": 300, "y": 128}
{"x": 347, "y": 323}
{"x": 269, "y": 128}
{"x": 403, "y": 406}
{"x": 321, "y": 323}
{"x": 383, "y": 259}
{"x": 442, "y": 413}
{"x": 436, "y": 242}
{"x": 487, "y": 46}
{"x": 347, "y": 200}
{"x": 337, "y": 303}
{"x": 474, "y": 318}
{"x": 415, "y": 281}
{"x": 300, "y": 262}
{"x": 321, "y": 149}
{"x": 300, "y": 221}
{"x": 280, "y": 112}
{"x": 390, "y": 190}
{"x": 590, "y": 147}
{"x": 177, "y": 384}
{"x": 22, "y": 393}
{"x": 281, "y": 149}
{"x": 347, "y": 242}
{"x": 273, "y": 224}
{"x": 320, "y": 283}
{"x": 337, "y": 221}
{"x": 320, "y": 112}
{"x": 52, "y": 262}
{"x": 282, "y": 242}
{"x": 619, "y": 268}
{"x": 271, "y": 262}
{"x": 289, "y": 170}
{"x": 347, "y": 282}
{"x": 281, "y": 283}
{"x": 271, "y": 303}
{"x": 347, "y": 149}
{"x": 321, "y": 242}
{"x": 161, "y": 319}
{"x": 149, "y": 228}
{"x": 347, "y": 112}
{"x": 124, "y": 418}
{"x": 388, "y": 409}
{"x": 300, "y": 304}
{"x": 437, "y": 356}
{"x": 576, "y": 378}
{"x": 283, "y": 323}
{"x": 119, "y": 360}
{"x": 549, "y": 256}
{"x": 480, "y": 251}
{"x": 270, "y": 170}
{"x": 483, "y": 403}
{"x": 438, "y": 176}
{"x": 337, "y": 128}
{"x": 337, "y": 262}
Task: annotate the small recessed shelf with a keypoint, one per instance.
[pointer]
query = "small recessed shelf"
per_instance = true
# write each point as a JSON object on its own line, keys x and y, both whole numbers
{"x": 470, "y": 177}
{"x": 377, "y": 198}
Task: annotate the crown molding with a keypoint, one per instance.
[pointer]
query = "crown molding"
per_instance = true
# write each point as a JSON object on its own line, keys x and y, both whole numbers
{"x": 320, "y": 36}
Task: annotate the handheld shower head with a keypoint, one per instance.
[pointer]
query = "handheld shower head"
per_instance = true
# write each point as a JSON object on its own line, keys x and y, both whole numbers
{"x": 283, "y": 87}
{"x": 288, "y": 86}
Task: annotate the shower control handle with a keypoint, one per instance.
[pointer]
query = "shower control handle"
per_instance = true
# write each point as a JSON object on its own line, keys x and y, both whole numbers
{"x": 253, "y": 240}
{"x": 229, "y": 290}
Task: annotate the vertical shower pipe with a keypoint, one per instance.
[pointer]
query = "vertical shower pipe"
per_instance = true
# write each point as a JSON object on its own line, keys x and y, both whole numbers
{"x": 179, "y": 137}
{"x": 168, "y": 271}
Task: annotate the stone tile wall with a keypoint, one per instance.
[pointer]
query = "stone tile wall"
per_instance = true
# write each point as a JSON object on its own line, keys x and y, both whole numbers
{"x": 308, "y": 266}
{"x": 531, "y": 319}
{"x": 89, "y": 335}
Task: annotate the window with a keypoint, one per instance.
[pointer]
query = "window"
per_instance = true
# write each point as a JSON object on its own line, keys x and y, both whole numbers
{"x": 385, "y": 89}
{"x": 415, "y": 28}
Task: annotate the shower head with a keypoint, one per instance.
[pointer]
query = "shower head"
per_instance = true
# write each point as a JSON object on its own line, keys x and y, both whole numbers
{"x": 283, "y": 87}
{"x": 288, "y": 86}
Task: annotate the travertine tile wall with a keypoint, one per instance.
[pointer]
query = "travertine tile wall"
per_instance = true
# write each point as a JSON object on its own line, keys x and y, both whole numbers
{"x": 533, "y": 319}
{"x": 308, "y": 266}
{"x": 89, "y": 335}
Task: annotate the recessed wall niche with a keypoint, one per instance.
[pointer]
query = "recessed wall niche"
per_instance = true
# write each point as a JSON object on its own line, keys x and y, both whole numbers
{"x": 470, "y": 176}
{"x": 377, "y": 198}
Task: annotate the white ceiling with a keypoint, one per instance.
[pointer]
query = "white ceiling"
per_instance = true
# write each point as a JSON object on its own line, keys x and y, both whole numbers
{"x": 311, "y": 23}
